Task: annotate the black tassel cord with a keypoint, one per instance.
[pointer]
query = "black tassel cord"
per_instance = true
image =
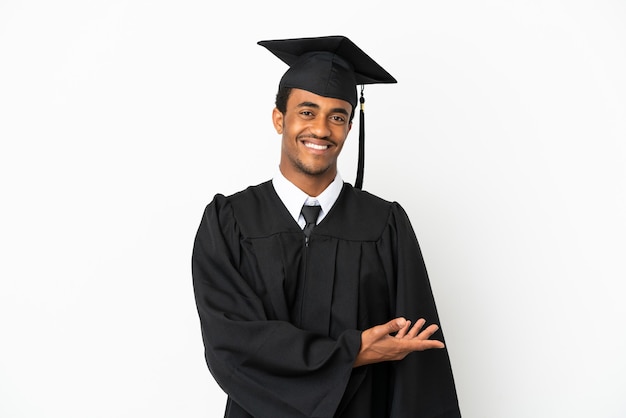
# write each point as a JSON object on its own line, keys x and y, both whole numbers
{"x": 361, "y": 163}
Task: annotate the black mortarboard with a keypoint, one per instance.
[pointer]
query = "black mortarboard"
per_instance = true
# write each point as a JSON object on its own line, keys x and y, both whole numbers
{"x": 330, "y": 66}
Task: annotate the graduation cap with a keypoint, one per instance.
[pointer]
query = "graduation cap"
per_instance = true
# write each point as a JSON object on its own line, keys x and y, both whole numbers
{"x": 330, "y": 66}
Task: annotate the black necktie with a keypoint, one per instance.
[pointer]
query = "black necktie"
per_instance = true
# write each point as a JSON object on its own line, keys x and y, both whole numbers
{"x": 310, "y": 214}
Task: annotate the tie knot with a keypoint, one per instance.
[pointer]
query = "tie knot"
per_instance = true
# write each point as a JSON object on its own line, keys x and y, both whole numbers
{"x": 311, "y": 213}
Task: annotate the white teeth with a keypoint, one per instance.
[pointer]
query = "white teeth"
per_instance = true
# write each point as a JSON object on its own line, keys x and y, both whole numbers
{"x": 315, "y": 146}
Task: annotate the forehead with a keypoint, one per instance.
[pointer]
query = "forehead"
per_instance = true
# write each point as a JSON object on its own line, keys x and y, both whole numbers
{"x": 298, "y": 96}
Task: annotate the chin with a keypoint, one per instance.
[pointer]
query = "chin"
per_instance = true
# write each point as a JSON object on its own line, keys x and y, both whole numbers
{"x": 314, "y": 171}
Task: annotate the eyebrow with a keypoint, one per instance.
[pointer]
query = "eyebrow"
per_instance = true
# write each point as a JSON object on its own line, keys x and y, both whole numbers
{"x": 316, "y": 106}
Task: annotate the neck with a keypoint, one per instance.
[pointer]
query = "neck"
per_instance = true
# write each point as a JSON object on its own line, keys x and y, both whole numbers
{"x": 312, "y": 185}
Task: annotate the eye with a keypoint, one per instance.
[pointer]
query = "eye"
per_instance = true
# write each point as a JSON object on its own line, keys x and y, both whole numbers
{"x": 338, "y": 119}
{"x": 306, "y": 113}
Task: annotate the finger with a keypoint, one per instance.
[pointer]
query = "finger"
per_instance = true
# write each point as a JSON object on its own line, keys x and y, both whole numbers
{"x": 403, "y": 330}
{"x": 396, "y": 324}
{"x": 428, "y": 332}
{"x": 417, "y": 327}
{"x": 380, "y": 331}
{"x": 430, "y": 344}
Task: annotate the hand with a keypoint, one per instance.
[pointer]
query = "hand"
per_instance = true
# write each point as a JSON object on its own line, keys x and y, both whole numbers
{"x": 377, "y": 345}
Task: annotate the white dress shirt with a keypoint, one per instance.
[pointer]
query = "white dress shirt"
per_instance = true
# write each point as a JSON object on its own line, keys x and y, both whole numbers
{"x": 293, "y": 198}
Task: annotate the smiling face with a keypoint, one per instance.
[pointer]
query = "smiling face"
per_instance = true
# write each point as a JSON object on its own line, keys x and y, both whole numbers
{"x": 314, "y": 129}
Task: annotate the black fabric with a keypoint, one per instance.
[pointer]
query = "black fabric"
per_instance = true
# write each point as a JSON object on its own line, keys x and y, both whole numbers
{"x": 281, "y": 321}
{"x": 331, "y": 66}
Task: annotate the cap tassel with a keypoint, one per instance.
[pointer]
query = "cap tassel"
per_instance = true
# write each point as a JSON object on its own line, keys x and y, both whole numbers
{"x": 361, "y": 163}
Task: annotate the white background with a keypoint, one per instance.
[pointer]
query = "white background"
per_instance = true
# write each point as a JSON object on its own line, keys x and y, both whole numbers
{"x": 505, "y": 140}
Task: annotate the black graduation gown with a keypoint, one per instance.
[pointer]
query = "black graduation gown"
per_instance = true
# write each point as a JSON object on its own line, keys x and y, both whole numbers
{"x": 281, "y": 320}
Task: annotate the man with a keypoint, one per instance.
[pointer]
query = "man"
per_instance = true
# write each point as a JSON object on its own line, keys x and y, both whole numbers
{"x": 310, "y": 314}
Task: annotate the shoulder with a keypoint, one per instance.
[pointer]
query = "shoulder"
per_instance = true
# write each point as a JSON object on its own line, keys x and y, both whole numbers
{"x": 369, "y": 205}
{"x": 246, "y": 196}
{"x": 364, "y": 198}
{"x": 360, "y": 215}
{"x": 244, "y": 200}
{"x": 256, "y": 211}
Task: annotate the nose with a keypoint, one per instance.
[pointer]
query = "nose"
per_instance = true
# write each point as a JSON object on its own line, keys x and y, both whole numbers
{"x": 320, "y": 127}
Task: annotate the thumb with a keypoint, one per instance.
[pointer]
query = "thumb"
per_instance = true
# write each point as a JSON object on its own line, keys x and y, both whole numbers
{"x": 381, "y": 331}
{"x": 395, "y": 325}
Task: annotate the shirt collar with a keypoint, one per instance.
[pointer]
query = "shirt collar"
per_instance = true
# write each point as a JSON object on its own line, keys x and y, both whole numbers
{"x": 293, "y": 198}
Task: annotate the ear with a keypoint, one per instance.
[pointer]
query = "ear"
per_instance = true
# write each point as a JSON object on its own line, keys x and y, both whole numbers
{"x": 278, "y": 120}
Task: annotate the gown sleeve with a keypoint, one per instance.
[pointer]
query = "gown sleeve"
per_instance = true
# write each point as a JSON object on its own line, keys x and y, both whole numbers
{"x": 423, "y": 381}
{"x": 268, "y": 367}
